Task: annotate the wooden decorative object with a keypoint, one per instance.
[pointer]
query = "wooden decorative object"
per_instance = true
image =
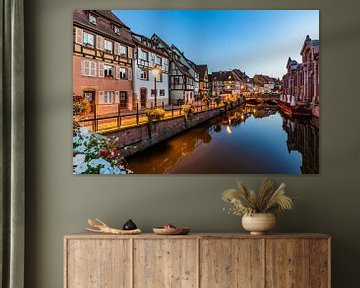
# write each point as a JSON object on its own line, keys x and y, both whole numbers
{"x": 197, "y": 261}
{"x": 171, "y": 231}
{"x": 101, "y": 227}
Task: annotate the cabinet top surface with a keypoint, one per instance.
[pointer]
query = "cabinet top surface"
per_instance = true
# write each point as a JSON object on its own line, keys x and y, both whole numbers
{"x": 87, "y": 235}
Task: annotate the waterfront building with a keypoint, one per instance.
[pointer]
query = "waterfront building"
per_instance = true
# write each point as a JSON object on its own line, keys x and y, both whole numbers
{"x": 246, "y": 87}
{"x": 150, "y": 64}
{"x": 181, "y": 81}
{"x": 301, "y": 82}
{"x": 103, "y": 54}
{"x": 224, "y": 83}
{"x": 263, "y": 84}
{"x": 203, "y": 80}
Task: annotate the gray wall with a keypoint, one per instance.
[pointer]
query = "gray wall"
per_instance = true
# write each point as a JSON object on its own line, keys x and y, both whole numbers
{"x": 59, "y": 203}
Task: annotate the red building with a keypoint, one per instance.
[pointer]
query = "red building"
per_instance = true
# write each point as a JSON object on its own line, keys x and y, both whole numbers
{"x": 102, "y": 61}
{"x": 301, "y": 83}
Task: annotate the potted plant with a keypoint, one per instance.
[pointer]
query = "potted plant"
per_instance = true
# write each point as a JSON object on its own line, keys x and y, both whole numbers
{"x": 258, "y": 210}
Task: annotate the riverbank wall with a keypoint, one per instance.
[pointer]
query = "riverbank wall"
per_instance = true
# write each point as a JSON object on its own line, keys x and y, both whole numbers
{"x": 137, "y": 138}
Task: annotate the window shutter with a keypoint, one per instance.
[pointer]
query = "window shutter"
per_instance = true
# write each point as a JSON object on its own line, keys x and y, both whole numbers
{"x": 101, "y": 70}
{"x": 116, "y": 48}
{"x": 117, "y": 76}
{"x": 101, "y": 99}
{"x": 82, "y": 67}
{"x": 130, "y": 52}
{"x": 129, "y": 73}
{"x": 78, "y": 36}
{"x": 99, "y": 42}
{"x": 117, "y": 97}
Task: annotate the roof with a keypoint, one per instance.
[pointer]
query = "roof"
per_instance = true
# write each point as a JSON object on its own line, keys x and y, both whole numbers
{"x": 169, "y": 52}
{"x": 147, "y": 43}
{"x": 202, "y": 69}
{"x": 260, "y": 79}
{"x": 309, "y": 43}
{"x": 103, "y": 25}
{"x": 111, "y": 16}
{"x": 223, "y": 76}
{"x": 241, "y": 75}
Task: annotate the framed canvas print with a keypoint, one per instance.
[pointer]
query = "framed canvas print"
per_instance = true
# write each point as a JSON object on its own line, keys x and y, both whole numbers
{"x": 196, "y": 91}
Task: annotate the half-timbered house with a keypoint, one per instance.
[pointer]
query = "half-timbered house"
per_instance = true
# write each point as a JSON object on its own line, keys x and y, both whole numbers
{"x": 151, "y": 64}
{"x": 102, "y": 61}
{"x": 181, "y": 82}
{"x": 203, "y": 80}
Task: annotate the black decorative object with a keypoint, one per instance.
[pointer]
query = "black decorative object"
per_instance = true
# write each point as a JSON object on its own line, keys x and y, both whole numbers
{"x": 129, "y": 225}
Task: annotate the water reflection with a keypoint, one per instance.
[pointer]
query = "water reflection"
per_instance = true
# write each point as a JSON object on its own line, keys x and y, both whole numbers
{"x": 251, "y": 139}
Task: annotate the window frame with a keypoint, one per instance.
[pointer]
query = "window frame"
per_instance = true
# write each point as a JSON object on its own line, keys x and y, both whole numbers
{"x": 112, "y": 69}
{"x": 123, "y": 75}
{"x": 112, "y": 46}
{"x": 109, "y": 99}
{"x": 87, "y": 34}
{"x": 92, "y": 19}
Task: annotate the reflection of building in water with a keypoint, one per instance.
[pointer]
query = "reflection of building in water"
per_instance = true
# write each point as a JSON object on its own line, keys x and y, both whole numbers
{"x": 303, "y": 136}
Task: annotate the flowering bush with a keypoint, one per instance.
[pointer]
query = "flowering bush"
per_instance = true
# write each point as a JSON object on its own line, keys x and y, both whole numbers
{"x": 230, "y": 100}
{"x": 155, "y": 114}
{"x": 81, "y": 107}
{"x": 188, "y": 110}
{"x": 95, "y": 154}
{"x": 206, "y": 101}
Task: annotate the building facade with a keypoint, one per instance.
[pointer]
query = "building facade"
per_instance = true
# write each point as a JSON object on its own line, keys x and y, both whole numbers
{"x": 181, "y": 82}
{"x": 301, "y": 82}
{"x": 225, "y": 82}
{"x": 151, "y": 64}
{"x": 203, "y": 80}
{"x": 103, "y": 53}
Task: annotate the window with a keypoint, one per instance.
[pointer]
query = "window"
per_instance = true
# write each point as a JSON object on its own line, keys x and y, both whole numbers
{"x": 162, "y": 92}
{"x": 108, "y": 97}
{"x": 144, "y": 55}
{"x": 92, "y": 19}
{"x": 108, "y": 46}
{"x": 122, "y": 73}
{"x": 159, "y": 77}
{"x": 153, "y": 92}
{"x": 123, "y": 50}
{"x": 89, "y": 68}
{"x": 144, "y": 75}
{"x": 123, "y": 99}
{"x": 109, "y": 70}
{"x": 116, "y": 29}
{"x": 159, "y": 60}
{"x": 88, "y": 39}
{"x": 176, "y": 80}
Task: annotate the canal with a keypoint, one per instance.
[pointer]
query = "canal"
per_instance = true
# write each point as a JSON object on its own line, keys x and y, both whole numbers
{"x": 248, "y": 140}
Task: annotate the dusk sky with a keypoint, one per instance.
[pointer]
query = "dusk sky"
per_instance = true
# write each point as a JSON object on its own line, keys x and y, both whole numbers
{"x": 255, "y": 41}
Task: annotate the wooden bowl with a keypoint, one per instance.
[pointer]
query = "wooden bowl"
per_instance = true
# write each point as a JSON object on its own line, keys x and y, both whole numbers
{"x": 171, "y": 231}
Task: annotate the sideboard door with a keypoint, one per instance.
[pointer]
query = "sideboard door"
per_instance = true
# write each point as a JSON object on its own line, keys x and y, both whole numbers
{"x": 231, "y": 263}
{"x": 170, "y": 263}
{"x": 100, "y": 263}
{"x": 297, "y": 263}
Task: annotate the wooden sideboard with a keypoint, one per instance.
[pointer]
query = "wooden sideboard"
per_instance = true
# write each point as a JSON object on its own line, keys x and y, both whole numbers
{"x": 197, "y": 260}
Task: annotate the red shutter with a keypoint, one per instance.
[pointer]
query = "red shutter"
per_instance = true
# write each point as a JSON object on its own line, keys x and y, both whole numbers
{"x": 99, "y": 42}
{"x": 130, "y": 73}
{"x": 100, "y": 98}
{"x": 78, "y": 36}
{"x": 101, "y": 69}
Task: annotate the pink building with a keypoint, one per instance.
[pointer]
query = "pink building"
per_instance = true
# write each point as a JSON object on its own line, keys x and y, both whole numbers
{"x": 301, "y": 83}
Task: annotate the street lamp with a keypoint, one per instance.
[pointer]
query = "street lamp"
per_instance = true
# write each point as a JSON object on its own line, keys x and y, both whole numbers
{"x": 155, "y": 71}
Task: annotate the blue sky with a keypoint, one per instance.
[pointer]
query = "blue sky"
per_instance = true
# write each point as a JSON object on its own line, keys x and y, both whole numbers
{"x": 255, "y": 41}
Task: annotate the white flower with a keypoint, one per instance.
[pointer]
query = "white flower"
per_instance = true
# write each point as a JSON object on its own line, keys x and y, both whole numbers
{"x": 105, "y": 171}
{"x": 78, "y": 159}
{"x": 84, "y": 131}
{"x": 94, "y": 163}
{"x": 81, "y": 168}
{"x": 80, "y": 148}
